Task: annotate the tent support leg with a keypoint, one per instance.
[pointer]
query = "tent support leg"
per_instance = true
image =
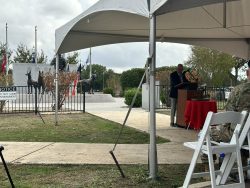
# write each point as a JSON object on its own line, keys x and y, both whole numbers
{"x": 117, "y": 164}
{"x": 152, "y": 126}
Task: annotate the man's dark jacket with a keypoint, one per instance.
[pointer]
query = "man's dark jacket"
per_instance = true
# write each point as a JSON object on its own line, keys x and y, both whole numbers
{"x": 175, "y": 80}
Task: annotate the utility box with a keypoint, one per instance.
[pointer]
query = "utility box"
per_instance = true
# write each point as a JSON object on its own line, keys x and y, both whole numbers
{"x": 145, "y": 95}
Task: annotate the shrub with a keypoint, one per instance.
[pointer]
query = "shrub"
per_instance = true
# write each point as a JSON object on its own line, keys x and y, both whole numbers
{"x": 64, "y": 81}
{"x": 108, "y": 90}
{"x": 129, "y": 95}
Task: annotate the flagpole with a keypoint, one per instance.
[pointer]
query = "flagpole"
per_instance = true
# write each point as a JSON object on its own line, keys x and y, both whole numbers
{"x": 6, "y": 50}
{"x": 36, "y": 44}
{"x": 56, "y": 82}
{"x": 90, "y": 64}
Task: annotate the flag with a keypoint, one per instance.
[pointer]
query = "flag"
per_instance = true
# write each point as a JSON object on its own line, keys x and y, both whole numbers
{"x": 33, "y": 58}
{"x": 87, "y": 61}
{"x": 74, "y": 90}
{"x": 4, "y": 63}
{"x": 79, "y": 71}
{"x": 68, "y": 68}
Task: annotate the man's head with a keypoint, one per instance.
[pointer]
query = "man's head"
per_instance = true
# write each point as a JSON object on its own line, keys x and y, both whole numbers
{"x": 180, "y": 68}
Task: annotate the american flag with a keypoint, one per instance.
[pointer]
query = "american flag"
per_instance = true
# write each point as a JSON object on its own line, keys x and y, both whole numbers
{"x": 4, "y": 62}
{"x": 79, "y": 70}
{"x": 87, "y": 60}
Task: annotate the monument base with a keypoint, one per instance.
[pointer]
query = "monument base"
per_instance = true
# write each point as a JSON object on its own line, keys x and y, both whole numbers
{"x": 98, "y": 98}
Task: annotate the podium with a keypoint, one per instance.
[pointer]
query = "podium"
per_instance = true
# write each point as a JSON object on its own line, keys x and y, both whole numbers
{"x": 183, "y": 96}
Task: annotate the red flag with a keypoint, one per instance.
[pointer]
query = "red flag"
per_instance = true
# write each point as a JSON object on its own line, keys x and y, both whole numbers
{"x": 4, "y": 62}
{"x": 75, "y": 84}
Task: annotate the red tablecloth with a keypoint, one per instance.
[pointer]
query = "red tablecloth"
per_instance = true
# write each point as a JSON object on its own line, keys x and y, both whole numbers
{"x": 196, "y": 112}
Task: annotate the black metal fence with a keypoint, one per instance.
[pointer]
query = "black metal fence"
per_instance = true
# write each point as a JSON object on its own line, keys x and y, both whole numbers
{"x": 220, "y": 94}
{"x": 35, "y": 101}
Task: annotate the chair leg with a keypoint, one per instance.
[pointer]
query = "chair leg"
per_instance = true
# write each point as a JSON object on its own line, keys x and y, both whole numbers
{"x": 223, "y": 167}
{"x": 211, "y": 163}
{"x": 239, "y": 161}
{"x": 191, "y": 169}
{"x": 6, "y": 168}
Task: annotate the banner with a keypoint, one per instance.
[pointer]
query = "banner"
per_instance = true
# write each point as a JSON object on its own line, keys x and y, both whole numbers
{"x": 7, "y": 93}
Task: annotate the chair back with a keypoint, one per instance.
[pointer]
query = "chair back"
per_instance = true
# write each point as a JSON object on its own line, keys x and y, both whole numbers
{"x": 221, "y": 118}
{"x": 228, "y": 117}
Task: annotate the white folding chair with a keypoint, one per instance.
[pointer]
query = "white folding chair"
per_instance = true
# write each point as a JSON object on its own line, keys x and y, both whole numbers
{"x": 229, "y": 161}
{"x": 204, "y": 145}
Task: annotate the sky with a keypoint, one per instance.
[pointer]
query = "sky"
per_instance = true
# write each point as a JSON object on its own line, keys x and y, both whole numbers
{"x": 23, "y": 15}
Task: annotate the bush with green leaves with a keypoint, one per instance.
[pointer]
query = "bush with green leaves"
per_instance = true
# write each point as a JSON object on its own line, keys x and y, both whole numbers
{"x": 129, "y": 95}
{"x": 108, "y": 90}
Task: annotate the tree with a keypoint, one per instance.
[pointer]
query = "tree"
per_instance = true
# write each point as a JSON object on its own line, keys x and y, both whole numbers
{"x": 23, "y": 54}
{"x": 5, "y": 80}
{"x": 42, "y": 58}
{"x": 131, "y": 78}
{"x": 163, "y": 74}
{"x": 62, "y": 63}
{"x": 73, "y": 59}
{"x": 64, "y": 80}
{"x": 2, "y": 52}
{"x": 238, "y": 65}
{"x": 213, "y": 66}
{"x": 112, "y": 80}
{"x": 98, "y": 70}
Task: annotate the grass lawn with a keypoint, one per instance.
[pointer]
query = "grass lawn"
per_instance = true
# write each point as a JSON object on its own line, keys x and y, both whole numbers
{"x": 74, "y": 176}
{"x": 73, "y": 128}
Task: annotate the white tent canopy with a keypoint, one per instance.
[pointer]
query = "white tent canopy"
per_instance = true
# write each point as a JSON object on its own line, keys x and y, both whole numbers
{"x": 219, "y": 24}
{"x": 117, "y": 21}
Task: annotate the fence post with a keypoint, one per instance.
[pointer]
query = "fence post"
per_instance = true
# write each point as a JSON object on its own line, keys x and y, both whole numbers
{"x": 35, "y": 99}
{"x": 83, "y": 86}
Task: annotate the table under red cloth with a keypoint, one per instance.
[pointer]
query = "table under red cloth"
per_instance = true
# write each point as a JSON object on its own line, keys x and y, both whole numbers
{"x": 196, "y": 112}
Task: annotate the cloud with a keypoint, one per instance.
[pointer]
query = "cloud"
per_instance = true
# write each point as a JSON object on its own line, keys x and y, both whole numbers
{"x": 23, "y": 15}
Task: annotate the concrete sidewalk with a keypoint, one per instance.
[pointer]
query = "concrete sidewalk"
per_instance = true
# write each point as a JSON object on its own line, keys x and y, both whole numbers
{"x": 77, "y": 153}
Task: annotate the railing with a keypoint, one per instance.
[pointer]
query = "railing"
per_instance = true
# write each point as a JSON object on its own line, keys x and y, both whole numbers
{"x": 220, "y": 94}
{"x": 33, "y": 101}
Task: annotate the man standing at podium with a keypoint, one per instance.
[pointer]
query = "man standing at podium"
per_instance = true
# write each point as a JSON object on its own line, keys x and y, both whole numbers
{"x": 177, "y": 78}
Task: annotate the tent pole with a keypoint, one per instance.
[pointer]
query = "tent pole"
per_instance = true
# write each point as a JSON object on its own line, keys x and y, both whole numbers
{"x": 152, "y": 126}
{"x": 56, "y": 82}
{"x": 90, "y": 64}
